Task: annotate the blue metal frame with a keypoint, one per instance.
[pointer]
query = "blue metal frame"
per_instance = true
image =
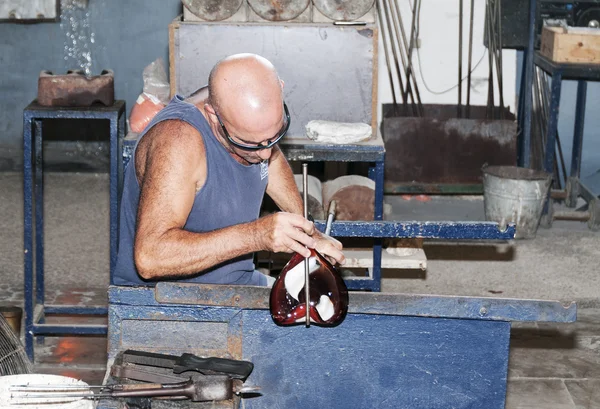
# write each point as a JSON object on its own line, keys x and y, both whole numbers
{"x": 33, "y": 191}
{"x": 582, "y": 73}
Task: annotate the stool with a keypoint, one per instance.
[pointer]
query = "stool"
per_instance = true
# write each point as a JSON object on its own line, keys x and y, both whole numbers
{"x": 35, "y": 310}
{"x": 582, "y": 73}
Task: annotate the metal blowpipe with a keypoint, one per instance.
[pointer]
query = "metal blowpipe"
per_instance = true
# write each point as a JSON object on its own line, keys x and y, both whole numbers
{"x": 306, "y": 266}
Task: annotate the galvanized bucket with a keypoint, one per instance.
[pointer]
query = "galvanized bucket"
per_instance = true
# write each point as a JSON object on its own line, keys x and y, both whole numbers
{"x": 515, "y": 195}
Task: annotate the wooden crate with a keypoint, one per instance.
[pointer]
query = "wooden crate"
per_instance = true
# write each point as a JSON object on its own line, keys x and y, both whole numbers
{"x": 571, "y": 45}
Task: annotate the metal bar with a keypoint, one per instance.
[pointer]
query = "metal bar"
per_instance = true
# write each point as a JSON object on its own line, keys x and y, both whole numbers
{"x": 386, "y": 12}
{"x": 387, "y": 56}
{"x": 553, "y": 121}
{"x": 306, "y": 259}
{"x": 69, "y": 329}
{"x": 75, "y": 309}
{"x": 397, "y": 19}
{"x": 484, "y": 308}
{"x": 470, "y": 58}
{"x": 28, "y": 231}
{"x": 411, "y": 83}
{"x": 460, "y": 57}
{"x": 578, "y": 130}
{"x": 528, "y": 78}
{"x": 427, "y": 230}
{"x": 582, "y": 216}
{"x": 39, "y": 212}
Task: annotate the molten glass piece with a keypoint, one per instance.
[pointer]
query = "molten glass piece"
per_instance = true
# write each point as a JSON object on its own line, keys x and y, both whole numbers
{"x": 328, "y": 293}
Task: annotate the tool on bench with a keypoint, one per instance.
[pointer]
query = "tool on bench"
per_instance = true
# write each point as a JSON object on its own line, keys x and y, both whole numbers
{"x": 188, "y": 362}
{"x": 167, "y": 376}
{"x": 205, "y": 388}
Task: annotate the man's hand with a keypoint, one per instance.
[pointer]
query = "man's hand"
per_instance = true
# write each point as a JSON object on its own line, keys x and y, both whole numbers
{"x": 286, "y": 233}
{"x": 329, "y": 247}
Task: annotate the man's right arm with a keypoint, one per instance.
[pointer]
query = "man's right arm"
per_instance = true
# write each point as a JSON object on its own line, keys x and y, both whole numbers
{"x": 170, "y": 171}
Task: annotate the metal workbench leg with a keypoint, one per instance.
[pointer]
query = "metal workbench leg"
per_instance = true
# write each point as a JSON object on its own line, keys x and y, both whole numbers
{"x": 578, "y": 131}
{"x": 28, "y": 232}
{"x": 555, "y": 90}
{"x": 573, "y": 180}
{"x": 39, "y": 223}
{"x": 39, "y": 213}
{"x": 379, "y": 173}
{"x": 113, "y": 186}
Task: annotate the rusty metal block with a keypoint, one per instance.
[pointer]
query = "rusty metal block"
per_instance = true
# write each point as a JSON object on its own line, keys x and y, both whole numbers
{"x": 75, "y": 89}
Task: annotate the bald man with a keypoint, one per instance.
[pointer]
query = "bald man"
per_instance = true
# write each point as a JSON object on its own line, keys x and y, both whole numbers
{"x": 196, "y": 181}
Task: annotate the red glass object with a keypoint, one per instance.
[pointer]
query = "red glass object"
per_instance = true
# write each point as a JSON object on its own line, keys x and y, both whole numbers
{"x": 328, "y": 293}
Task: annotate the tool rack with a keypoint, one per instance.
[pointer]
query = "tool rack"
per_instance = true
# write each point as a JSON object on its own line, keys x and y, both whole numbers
{"x": 34, "y": 116}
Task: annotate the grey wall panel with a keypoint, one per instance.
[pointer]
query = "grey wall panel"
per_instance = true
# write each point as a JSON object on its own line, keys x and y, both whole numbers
{"x": 328, "y": 70}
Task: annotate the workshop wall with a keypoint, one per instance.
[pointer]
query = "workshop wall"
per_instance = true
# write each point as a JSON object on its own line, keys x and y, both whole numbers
{"x": 124, "y": 36}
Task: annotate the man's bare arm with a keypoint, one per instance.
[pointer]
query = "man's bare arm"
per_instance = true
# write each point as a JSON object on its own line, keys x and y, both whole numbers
{"x": 283, "y": 190}
{"x": 169, "y": 176}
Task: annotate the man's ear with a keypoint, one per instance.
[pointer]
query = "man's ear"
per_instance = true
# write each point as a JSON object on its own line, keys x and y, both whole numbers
{"x": 209, "y": 108}
{"x": 282, "y": 83}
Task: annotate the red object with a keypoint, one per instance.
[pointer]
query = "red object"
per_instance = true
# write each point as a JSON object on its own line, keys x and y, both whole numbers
{"x": 143, "y": 111}
{"x": 328, "y": 293}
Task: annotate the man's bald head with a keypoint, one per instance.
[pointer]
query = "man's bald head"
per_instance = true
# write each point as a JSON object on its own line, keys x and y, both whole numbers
{"x": 244, "y": 83}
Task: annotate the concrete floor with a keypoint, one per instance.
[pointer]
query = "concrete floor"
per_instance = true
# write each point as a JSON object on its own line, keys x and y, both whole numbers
{"x": 552, "y": 365}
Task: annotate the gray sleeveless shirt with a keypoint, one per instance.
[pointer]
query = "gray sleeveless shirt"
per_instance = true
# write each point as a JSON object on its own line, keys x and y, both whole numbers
{"x": 232, "y": 194}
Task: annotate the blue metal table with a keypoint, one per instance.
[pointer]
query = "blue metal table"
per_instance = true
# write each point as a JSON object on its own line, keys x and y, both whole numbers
{"x": 391, "y": 351}
{"x": 34, "y": 116}
{"x": 582, "y": 73}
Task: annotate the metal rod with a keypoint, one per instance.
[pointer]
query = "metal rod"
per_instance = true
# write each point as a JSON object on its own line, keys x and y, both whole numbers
{"x": 460, "y": 57}
{"x": 413, "y": 38}
{"x": 306, "y": 266}
{"x": 330, "y": 216}
{"x": 470, "y": 58}
{"x": 387, "y": 58}
{"x": 397, "y": 19}
{"x": 386, "y": 13}
{"x": 412, "y": 91}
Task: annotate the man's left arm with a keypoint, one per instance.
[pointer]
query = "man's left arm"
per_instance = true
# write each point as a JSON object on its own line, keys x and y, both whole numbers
{"x": 284, "y": 192}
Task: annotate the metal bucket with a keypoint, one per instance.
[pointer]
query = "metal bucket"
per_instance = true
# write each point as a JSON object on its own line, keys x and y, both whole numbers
{"x": 515, "y": 195}
{"x": 12, "y": 315}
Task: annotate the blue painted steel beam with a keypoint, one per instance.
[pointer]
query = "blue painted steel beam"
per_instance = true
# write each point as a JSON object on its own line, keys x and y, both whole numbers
{"x": 55, "y": 329}
{"x": 482, "y": 308}
{"x": 74, "y": 309}
{"x": 427, "y": 230}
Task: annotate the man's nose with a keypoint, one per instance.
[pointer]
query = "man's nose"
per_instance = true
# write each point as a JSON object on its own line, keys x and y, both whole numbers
{"x": 265, "y": 154}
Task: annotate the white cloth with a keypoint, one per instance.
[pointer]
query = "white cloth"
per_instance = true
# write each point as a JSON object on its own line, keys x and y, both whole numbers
{"x": 338, "y": 132}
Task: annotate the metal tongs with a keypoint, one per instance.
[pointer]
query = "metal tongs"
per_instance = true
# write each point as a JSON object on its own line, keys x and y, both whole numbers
{"x": 207, "y": 388}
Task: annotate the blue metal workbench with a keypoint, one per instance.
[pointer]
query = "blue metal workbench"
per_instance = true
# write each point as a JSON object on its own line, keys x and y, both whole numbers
{"x": 34, "y": 116}
{"x": 391, "y": 351}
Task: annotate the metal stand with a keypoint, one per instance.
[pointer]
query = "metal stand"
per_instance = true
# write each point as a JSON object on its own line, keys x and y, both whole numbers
{"x": 582, "y": 73}
{"x": 34, "y": 116}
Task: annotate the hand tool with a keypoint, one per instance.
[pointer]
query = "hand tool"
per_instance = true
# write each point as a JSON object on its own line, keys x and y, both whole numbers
{"x": 188, "y": 362}
{"x": 201, "y": 389}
